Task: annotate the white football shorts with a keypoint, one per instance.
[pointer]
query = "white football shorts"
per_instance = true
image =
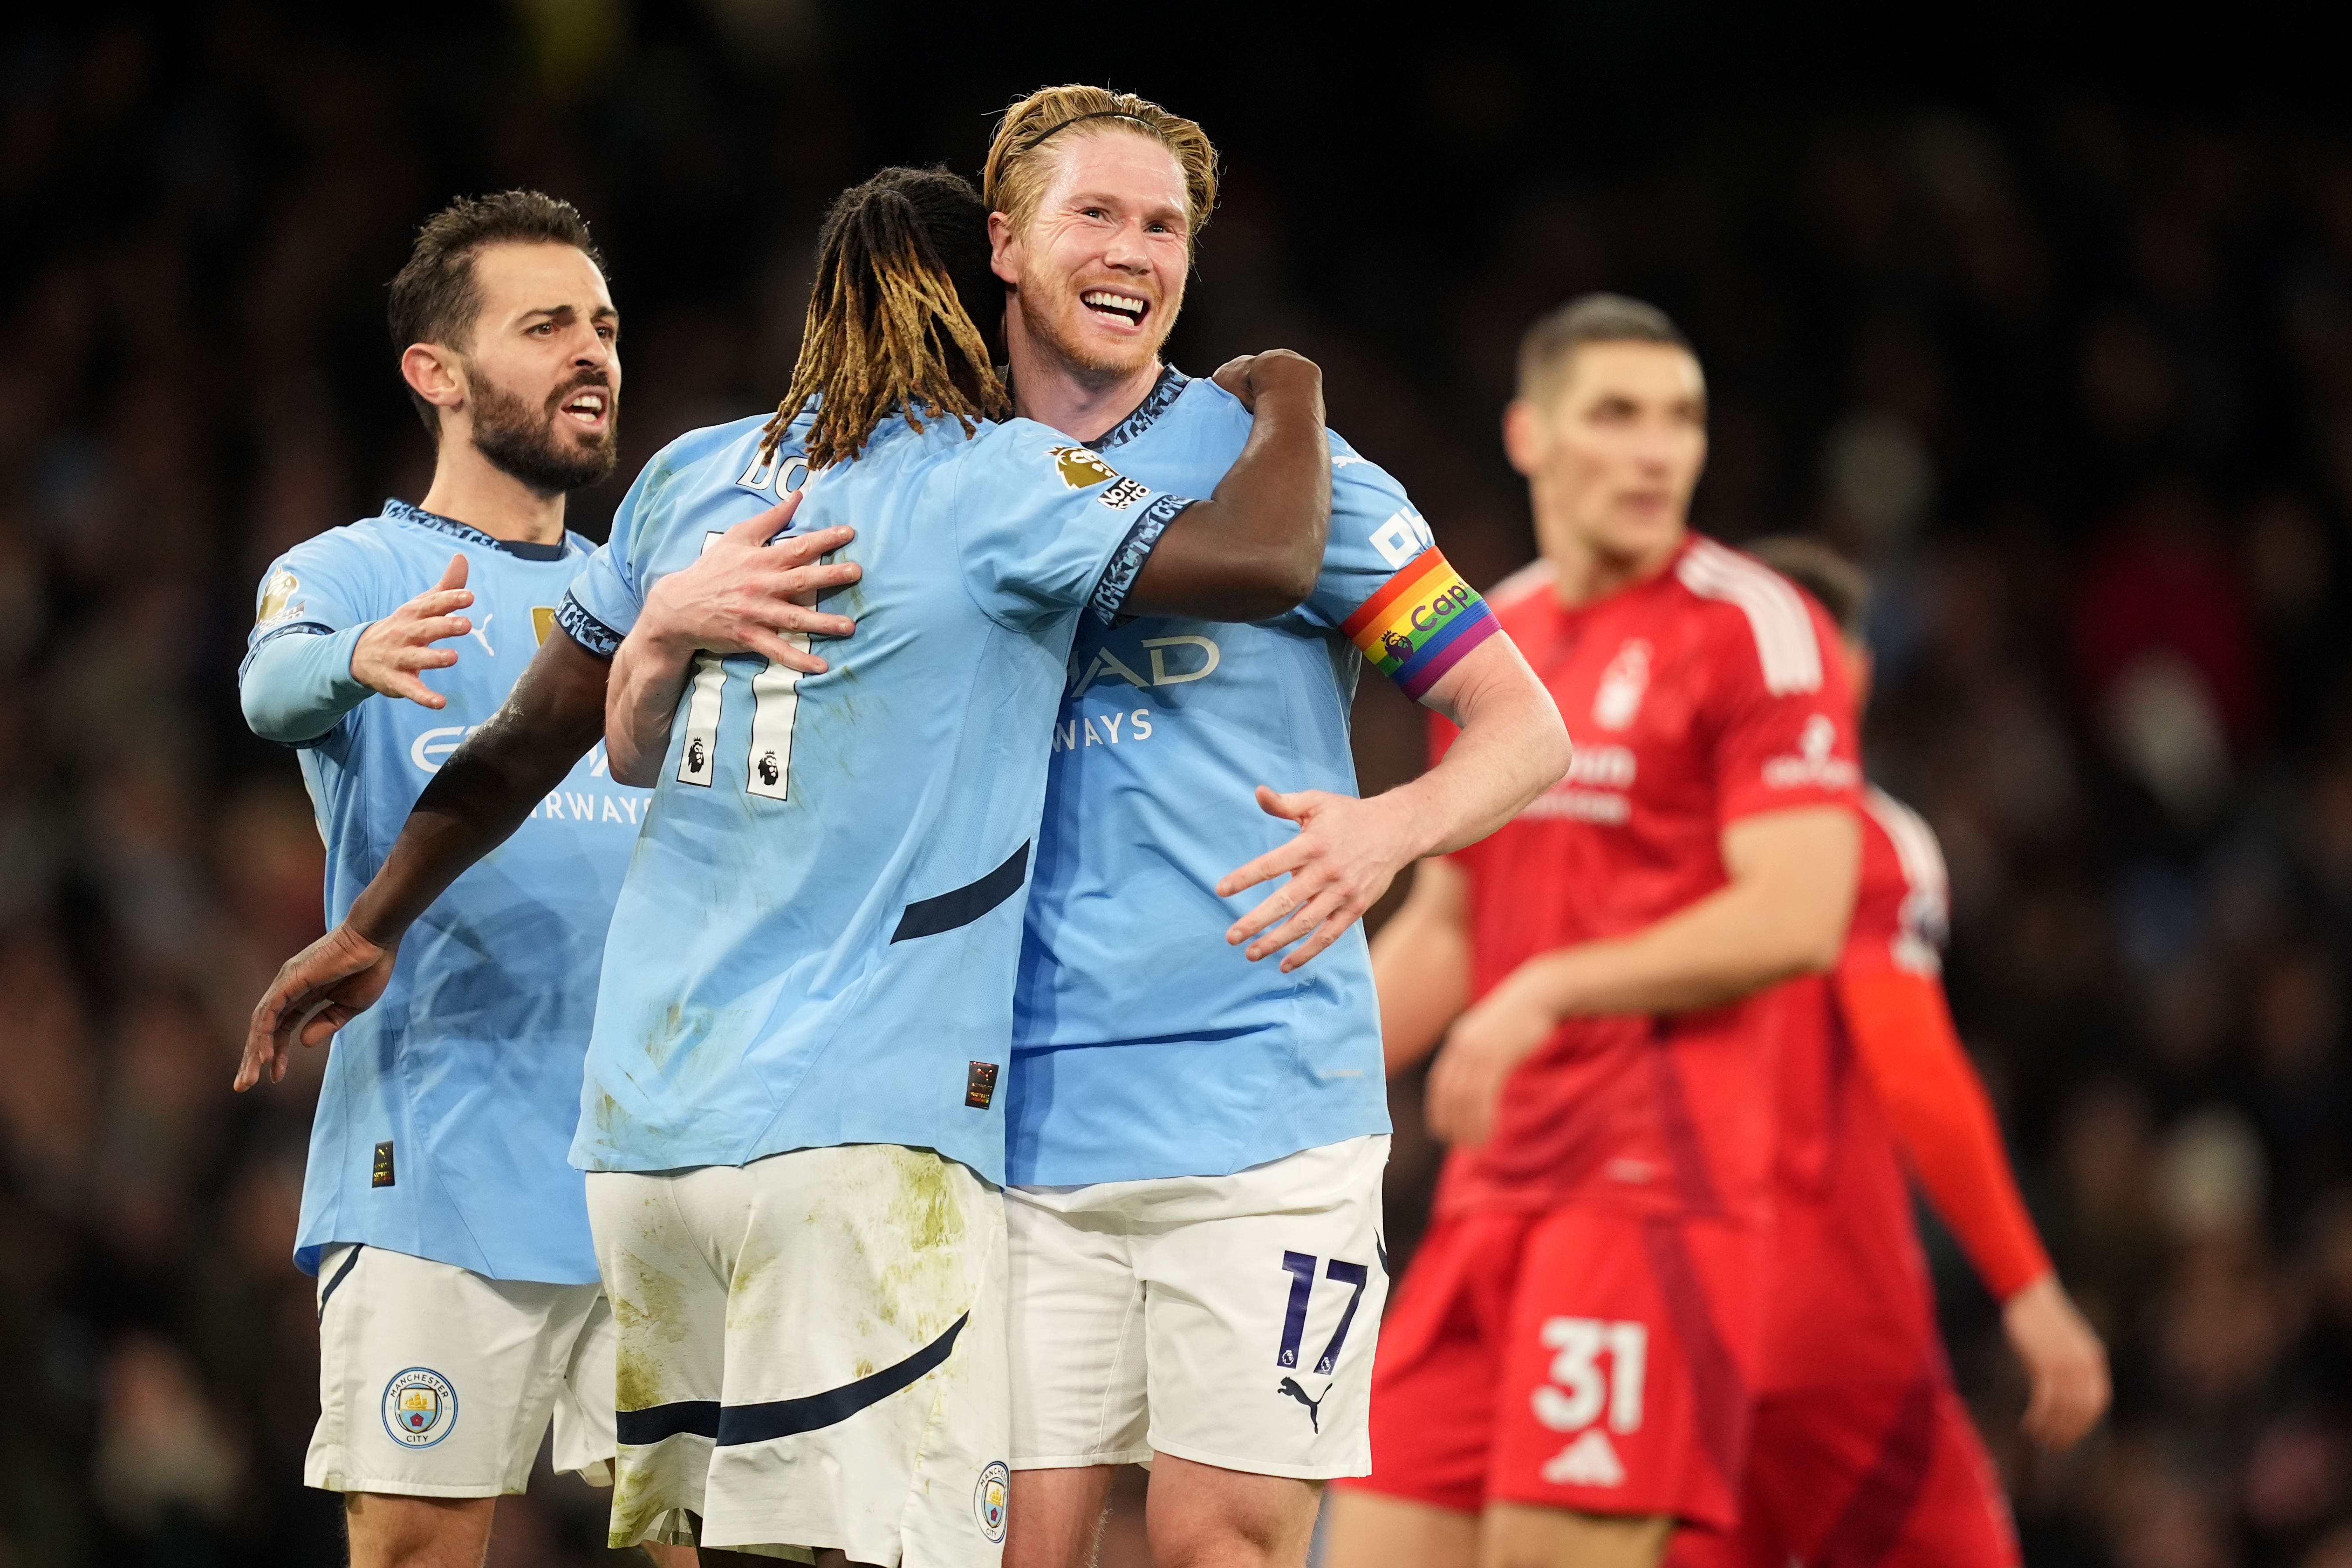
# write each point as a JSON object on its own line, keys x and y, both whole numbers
{"x": 811, "y": 1355}
{"x": 434, "y": 1381}
{"x": 1227, "y": 1319}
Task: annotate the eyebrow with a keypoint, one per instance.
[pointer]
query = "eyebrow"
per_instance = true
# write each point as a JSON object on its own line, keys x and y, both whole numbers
{"x": 601, "y": 313}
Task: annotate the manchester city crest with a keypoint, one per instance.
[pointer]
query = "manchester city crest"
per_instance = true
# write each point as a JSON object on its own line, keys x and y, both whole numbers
{"x": 420, "y": 1406}
{"x": 988, "y": 1499}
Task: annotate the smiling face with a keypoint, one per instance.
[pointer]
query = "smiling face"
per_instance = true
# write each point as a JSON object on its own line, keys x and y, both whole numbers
{"x": 542, "y": 375}
{"x": 1612, "y": 456}
{"x": 1097, "y": 274}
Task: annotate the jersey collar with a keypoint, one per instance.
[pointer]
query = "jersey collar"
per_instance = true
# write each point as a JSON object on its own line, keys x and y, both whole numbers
{"x": 1156, "y": 401}
{"x": 401, "y": 511}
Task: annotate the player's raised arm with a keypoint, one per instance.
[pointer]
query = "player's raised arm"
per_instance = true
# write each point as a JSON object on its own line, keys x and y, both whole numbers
{"x": 1252, "y": 550}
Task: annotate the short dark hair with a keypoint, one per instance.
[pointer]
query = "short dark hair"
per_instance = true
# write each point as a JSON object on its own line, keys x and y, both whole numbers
{"x": 1549, "y": 345}
{"x": 435, "y": 298}
{"x": 1842, "y": 587}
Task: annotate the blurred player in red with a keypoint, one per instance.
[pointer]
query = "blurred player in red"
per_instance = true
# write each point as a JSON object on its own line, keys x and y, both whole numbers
{"x": 1571, "y": 1361}
{"x": 1860, "y": 1452}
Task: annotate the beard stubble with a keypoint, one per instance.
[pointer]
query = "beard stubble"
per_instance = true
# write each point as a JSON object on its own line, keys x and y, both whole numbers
{"x": 525, "y": 443}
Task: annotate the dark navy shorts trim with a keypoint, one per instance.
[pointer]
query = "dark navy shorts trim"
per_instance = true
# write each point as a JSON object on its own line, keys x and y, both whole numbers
{"x": 729, "y": 1424}
{"x": 928, "y": 917}
{"x": 350, "y": 1261}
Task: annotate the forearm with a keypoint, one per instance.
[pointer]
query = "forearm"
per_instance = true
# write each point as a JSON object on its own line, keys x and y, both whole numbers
{"x": 649, "y": 676}
{"x": 488, "y": 787}
{"x": 298, "y": 685}
{"x": 1903, "y": 1032}
{"x": 1420, "y": 970}
{"x": 1254, "y": 548}
{"x": 1512, "y": 747}
{"x": 1718, "y": 950}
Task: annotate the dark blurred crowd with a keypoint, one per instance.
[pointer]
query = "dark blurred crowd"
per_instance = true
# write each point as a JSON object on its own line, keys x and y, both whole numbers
{"x": 2073, "y": 375}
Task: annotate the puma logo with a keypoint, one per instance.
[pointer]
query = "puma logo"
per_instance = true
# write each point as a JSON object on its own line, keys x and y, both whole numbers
{"x": 481, "y": 633}
{"x": 1314, "y": 1406}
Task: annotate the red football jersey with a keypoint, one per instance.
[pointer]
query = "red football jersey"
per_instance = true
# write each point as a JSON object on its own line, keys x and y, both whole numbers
{"x": 1851, "y": 1297}
{"x": 1866, "y": 1103}
{"x": 1709, "y": 693}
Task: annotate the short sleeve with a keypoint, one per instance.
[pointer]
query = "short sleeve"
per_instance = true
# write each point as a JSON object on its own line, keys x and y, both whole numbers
{"x": 1387, "y": 588}
{"x": 1782, "y": 714}
{"x": 1902, "y": 915}
{"x": 322, "y": 586}
{"x": 604, "y": 599}
{"x": 1044, "y": 526}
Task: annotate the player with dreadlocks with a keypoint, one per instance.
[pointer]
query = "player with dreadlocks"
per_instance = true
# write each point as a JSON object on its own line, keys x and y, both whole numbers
{"x": 790, "y": 1119}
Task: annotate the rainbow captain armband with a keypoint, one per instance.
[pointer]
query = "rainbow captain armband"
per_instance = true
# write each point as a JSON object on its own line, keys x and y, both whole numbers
{"x": 1421, "y": 623}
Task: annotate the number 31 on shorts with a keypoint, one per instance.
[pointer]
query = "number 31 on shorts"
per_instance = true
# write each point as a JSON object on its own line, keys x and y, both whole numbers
{"x": 1579, "y": 1389}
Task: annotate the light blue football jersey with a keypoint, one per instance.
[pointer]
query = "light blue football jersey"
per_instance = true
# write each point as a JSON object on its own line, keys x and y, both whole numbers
{"x": 447, "y": 1108}
{"x": 1145, "y": 1046}
{"x": 817, "y": 940}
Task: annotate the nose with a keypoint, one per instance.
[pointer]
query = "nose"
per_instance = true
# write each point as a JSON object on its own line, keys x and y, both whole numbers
{"x": 1127, "y": 250}
{"x": 592, "y": 352}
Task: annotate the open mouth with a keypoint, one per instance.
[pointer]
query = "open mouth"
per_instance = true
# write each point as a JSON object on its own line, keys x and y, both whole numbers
{"x": 589, "y": 406}
{"x": 1110, "y": 305}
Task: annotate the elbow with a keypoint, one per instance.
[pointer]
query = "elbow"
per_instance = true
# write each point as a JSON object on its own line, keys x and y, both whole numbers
{"x": 267, "y": 720}
{"x": 1815, "y": 946}
{"x": 1267, "y": 583}
{"x": 1298, "y": 581}
{"x": 1554, "y": 752}
{"x": 1282, "y": 577}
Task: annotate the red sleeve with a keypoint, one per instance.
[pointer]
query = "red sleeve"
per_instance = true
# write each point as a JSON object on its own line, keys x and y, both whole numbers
{"x": 1783, "y": 716}
{"x": 1902, "y": 1029}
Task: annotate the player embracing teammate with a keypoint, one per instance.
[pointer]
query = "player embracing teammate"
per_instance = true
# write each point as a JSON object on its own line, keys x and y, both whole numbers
{"x": 1626, "y": 985}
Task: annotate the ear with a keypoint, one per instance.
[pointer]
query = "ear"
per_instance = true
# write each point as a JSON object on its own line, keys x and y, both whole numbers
{"x": 1003, "y": 249}
{"x": 1523, "y": 436}
{"x": 432, "y": 373}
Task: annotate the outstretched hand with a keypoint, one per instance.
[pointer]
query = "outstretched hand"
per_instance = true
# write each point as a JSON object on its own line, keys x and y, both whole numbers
{"x": 1346, "y": 853}
{"x": 746, "y": 595}
{"x": 392, "y": 654}
{"x": 317, "y": 991}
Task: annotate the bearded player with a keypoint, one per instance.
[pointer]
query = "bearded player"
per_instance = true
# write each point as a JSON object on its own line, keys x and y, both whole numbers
{"x": 459, "y": 1311}
{"x": 1197, "y": 1133}
{"x": 790, "y": 1112}
{"x": 1862, "y": 1451}
{"x": 1569, "y": 1368}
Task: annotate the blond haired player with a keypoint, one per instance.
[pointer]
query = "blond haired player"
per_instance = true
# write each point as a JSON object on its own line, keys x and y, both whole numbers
{"x": 1197, "y": 1137}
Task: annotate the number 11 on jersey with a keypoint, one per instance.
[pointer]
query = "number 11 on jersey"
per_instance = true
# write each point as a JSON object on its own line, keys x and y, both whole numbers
{"x": 775, "y": 704}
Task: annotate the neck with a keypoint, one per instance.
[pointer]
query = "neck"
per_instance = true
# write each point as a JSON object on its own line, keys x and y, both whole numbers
{"x": 1583, "y": 573}
{"x": 1080, "y": 402}
{"x": 469, "y": 489}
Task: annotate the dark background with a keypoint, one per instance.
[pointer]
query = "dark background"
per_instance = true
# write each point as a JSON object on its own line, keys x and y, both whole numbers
{"x": 2046, "y": 314}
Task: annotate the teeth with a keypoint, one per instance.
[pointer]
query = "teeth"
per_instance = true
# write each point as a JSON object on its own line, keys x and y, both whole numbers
{"x": 1103, "y": 300}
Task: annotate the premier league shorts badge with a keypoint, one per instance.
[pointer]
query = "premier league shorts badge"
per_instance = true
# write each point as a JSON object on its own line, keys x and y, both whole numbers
{"x": 988, "y": 1499}
{"x": 419, "y": 1407}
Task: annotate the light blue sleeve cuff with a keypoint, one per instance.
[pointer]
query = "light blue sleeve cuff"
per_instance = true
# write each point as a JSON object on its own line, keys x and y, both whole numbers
{"x": 297, "y": 683}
